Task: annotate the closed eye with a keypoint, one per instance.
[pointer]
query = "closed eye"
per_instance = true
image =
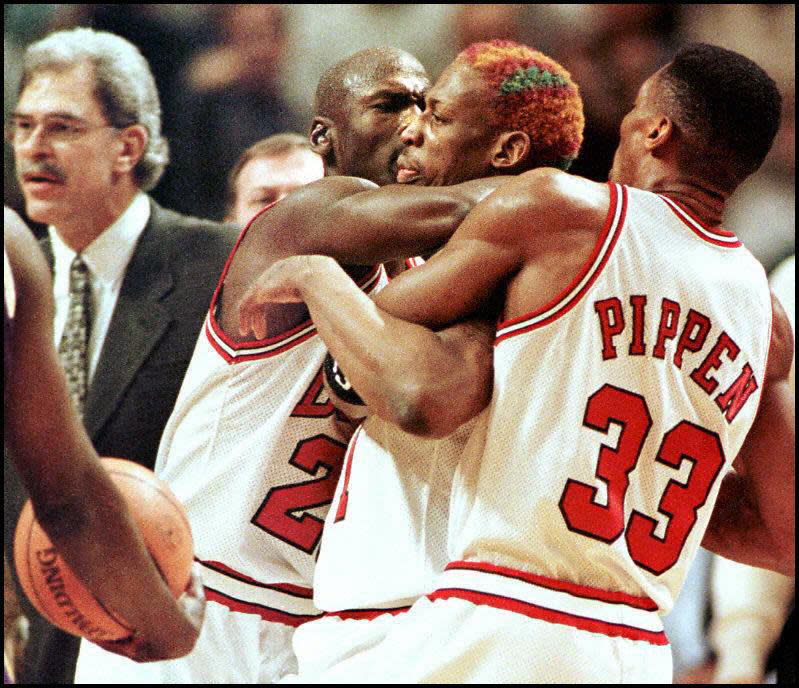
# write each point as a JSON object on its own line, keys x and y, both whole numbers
{"x": 395, "y": 103}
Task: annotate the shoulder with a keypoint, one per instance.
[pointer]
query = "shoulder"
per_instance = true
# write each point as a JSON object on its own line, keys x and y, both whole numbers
{"x": 564, "y": 195}
{"x": 542, "y": 204}
{"x": 170, "y": 221}
{"x": 552, "y": 195}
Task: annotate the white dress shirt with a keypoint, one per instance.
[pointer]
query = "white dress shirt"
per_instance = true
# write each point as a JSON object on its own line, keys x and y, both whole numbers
{"x": 107, "y": 258}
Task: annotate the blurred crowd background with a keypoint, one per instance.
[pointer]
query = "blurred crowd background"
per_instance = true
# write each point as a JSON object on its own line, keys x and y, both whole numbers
{"x": 230, "y": 75}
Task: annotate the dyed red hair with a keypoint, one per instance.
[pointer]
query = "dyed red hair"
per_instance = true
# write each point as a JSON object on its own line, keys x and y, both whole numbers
{"x": 533, "y": 94}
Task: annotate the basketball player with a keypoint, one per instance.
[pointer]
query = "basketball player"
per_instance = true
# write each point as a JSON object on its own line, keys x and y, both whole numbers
{"x": 638, "y": 342}
{"x": 409, "y": 446}
{"x": 254, "y": 448}
{"x": 73, "y": 498}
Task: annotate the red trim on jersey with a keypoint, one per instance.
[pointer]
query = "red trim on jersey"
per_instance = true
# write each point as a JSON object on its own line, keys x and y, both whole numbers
{"x": 713, "y": 230}
{"x": 287, "y": 588}
{"x": 535, "y": 611}
{"x": 233, "y": 252}
{"x": 266, "y": 613}
{"x": 707, "y": 229}
{"x": 241, "y": 358}
{"x": 217, "y": 337}
{"x": 366, "y": 614}
{"x": 566, "y": 296}
{"x": 583, "y": 591}
{"x": 341, "y": 509}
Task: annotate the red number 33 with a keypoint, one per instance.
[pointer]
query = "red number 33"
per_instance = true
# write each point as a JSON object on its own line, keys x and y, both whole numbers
{"x": 605, "y": 522}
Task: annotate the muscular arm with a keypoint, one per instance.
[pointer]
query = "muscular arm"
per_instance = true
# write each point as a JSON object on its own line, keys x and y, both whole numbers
{"x": 428, "y": 383}
{"x": 527, "y": 224}
{"x": 465, "y": 276}
{"x": 754, "y": 518}
{"x": 357, "y": 223}
{"x": 73, "y": 497}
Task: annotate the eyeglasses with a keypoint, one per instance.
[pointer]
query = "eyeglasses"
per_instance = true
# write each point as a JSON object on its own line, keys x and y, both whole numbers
{"x": 54, "y": 129}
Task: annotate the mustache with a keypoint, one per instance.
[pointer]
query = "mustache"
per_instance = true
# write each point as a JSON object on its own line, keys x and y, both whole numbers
{"x": 41, "y": 167}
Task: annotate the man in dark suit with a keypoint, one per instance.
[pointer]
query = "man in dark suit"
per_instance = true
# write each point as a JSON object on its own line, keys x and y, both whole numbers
{"x": 132, "y": 281}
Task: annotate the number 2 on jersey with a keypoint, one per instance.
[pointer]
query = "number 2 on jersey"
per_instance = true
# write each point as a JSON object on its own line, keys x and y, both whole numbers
{"x": 282, "y": 513}
{"x": 685, "y": 441}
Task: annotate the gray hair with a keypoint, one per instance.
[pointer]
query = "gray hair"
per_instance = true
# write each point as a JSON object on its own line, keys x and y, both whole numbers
{"x": 124, "y": 86}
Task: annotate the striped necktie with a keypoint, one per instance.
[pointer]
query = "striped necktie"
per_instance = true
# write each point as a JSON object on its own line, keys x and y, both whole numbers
{"x": 74, "y": 345}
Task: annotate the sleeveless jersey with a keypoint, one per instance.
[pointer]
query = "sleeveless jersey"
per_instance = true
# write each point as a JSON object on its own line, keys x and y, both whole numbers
{"x": 385, "y": 537}
{"x": 253, "y": 449}
{"x": 617, "y": 409}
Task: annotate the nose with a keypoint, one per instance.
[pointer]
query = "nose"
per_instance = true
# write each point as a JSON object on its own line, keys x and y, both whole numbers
{"x": 411, "y": 133}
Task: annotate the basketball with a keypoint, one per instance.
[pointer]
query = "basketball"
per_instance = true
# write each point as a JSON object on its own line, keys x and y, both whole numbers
{"x": 56, "y": 591}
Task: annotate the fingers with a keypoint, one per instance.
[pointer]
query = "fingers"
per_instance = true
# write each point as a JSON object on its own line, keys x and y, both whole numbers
{"x": 192, "y": 601}
{"x": 277, "y": 284}
{"x": 252, "y": 315}
{"x": 132, "y": 647}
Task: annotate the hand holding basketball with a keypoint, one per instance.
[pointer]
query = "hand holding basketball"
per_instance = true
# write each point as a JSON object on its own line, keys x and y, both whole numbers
{"x": 138, "y": 648}
{"x": 62, "y": 598}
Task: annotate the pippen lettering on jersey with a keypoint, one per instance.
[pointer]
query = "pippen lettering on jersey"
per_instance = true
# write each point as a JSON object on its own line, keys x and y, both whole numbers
{"x": 690, "y": 330}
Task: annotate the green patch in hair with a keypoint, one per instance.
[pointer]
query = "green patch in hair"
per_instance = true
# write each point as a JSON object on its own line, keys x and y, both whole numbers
{"x": 533, "y": 77}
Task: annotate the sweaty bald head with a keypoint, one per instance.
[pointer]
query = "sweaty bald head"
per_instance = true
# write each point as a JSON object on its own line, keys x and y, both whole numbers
{"x": 362, "y": 105}
{"x": 355, "y": 74}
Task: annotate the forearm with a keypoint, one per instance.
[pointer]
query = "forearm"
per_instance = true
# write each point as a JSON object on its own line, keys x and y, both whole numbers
{"x": 405, "y": 373}
{"x": 364, "y": 341}
{"x": 95, "y": 533}
{"x": 85, "y": 516}
{"x": 736, "y": 530}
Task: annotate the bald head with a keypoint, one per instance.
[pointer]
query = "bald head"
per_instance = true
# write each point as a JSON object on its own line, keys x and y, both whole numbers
{"x": 362, "y": 104}
{"x": 355, "y": 74}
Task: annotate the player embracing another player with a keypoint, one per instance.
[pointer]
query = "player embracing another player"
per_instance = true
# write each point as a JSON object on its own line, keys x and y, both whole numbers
{"x": 640, "y": 379}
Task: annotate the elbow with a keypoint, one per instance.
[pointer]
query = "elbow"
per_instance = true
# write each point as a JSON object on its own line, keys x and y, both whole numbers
{"x": 406, "y": 408}
{"x": 62, "y": 521}
{"x": 428, "y": 411}
{"x": 784, "y": 551}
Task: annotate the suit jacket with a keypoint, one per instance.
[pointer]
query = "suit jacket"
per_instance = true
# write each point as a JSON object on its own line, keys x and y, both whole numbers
{"x": 163, "y": 300}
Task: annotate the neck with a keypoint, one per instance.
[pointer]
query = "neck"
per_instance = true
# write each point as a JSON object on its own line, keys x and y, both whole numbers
{"x": 79, "y": 230}
{"x": 703, "y": 200}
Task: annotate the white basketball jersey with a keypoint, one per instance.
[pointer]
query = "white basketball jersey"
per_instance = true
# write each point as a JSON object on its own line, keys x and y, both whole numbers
{"x": 385, "y": 537}
{"x": 253, "y": 449}
{"x": 618, "y": 408}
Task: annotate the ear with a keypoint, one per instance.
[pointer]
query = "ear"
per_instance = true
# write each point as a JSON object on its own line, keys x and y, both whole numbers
{"x": 510, "y": 149}
{"x": 133, "y": 141}
{"x": 321, "y": 141}
{"x": 659, "y": 131}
